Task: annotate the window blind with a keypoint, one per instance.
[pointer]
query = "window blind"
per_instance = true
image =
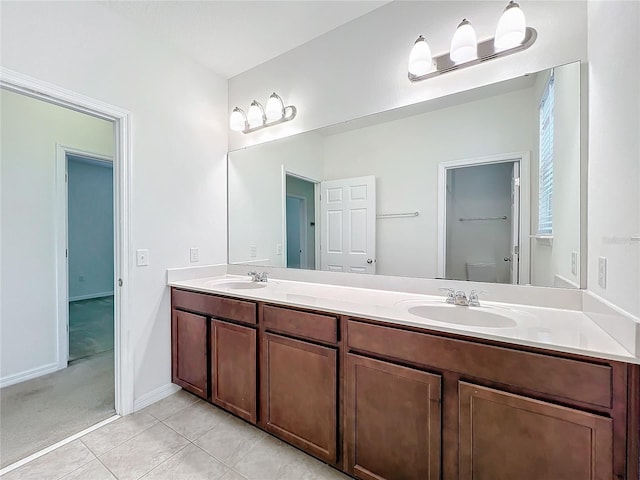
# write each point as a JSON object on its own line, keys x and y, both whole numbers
{"x": 545, "y": 183}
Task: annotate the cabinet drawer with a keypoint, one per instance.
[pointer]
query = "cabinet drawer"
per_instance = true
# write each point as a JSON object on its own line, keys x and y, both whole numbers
{"x": 214, "y": 306}
{"x": 322, "y": 328}
{"x": 571, "y": 379}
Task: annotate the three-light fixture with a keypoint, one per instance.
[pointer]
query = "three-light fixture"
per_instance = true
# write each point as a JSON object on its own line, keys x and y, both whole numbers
{"x": 512, "y": 35}
{"x": 257, "y": 117}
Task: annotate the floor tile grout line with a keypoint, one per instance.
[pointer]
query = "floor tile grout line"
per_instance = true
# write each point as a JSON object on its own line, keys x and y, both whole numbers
{"x": 130, "y": 438}
{"x": 164, "y": 461}
{"x": 197, "y": 400}
{"x": 108, "y": 469}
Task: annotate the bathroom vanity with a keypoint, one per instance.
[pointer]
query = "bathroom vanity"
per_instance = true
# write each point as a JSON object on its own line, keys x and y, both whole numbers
{"x": 380, "y": 393}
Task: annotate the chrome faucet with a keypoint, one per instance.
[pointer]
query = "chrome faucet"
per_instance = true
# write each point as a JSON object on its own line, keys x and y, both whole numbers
{"x": 473, "y": 298}
{"x": 451, "y": 295}
{"x": 461, "y": 299}
{"x": 258, "y": 276}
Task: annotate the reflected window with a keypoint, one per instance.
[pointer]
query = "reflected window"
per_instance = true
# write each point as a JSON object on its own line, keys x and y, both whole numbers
{"x": 545, "y": 184}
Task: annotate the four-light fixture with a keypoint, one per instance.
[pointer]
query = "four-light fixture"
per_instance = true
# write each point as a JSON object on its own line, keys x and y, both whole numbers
{"x": 512, "y": 35}
{"x": 258, "y": 117}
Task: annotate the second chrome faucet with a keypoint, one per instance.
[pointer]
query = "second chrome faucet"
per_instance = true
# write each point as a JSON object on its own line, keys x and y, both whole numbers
{"x": 460, "y": 298}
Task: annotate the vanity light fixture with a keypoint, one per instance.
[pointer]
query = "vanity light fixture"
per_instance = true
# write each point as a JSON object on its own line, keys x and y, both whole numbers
{"x": 512, "y": 35}
{"x": 257, "y": 117}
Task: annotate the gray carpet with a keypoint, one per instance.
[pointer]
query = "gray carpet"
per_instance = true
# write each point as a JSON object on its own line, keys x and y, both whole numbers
{"x": 40, "y": 412}
{"x": 90, "y": 327}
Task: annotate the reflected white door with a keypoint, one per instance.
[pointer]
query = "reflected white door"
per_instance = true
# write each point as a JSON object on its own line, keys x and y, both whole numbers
{"x": 515, "y": 224}
{"x": 348, "y": 226}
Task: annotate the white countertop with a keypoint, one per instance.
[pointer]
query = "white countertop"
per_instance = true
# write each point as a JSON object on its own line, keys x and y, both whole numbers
{"x": 555, "y": 329}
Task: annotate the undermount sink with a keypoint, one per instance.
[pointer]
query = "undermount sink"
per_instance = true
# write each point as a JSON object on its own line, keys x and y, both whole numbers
{"x": 459, "y": 315}
{"x": 239, "y": 285}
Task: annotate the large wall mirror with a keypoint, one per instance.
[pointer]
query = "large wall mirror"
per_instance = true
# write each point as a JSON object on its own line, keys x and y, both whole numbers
{"x": 484, "y": 185}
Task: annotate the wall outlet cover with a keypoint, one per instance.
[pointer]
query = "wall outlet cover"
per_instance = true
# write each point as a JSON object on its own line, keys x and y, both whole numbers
{"x": 194, "y": 255}
{"x": 278, "y": 249}
{"x": 574, "y": 263}
{"x": 253, "y": 251}
{"x": 142, "y": 257}
{"x": 602, "y": 272}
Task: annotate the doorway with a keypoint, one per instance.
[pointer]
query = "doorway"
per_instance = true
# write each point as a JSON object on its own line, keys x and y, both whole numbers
{"x": 483, "y": 232}
{"x": 300, "y": 221}
{"x": 42, "y": 244}
{"x": 90, "y": 259}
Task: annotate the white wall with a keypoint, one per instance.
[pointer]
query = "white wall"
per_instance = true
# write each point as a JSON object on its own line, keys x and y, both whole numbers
{"x": 614, "y": 150}
{"x": 90, "y": 228}
{"x": 179, "y": 141}
{"x": 361, "y": 67}
{"x": 30, "y": 130}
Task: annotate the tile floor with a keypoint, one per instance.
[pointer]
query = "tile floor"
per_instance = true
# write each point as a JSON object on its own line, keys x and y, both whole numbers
{"x": 178, "y": 438}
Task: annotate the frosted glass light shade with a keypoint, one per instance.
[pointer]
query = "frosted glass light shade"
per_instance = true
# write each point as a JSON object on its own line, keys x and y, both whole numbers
{"x": 464, "y": 44}
{"x": 255, "y": 115}
{"x": 511, "y": 28}
{"x": 237, "y": 121}
{"x": 275, "y": 108}
{"x": 420, "y": 59}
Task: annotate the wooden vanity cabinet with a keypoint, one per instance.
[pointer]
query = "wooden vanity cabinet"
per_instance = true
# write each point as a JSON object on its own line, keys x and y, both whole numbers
{"x": 503, "y": 435}
{"x": 189, "y": 352}
{"x": 299, "y": 378}
{"x": 389, "y": 402}
{"x": 392, "y": 428}
{"x": 214, "y": 350}
{"x": 233, "y": 368}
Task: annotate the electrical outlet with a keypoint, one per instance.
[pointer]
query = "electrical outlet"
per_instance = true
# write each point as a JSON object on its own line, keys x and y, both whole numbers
{"x": 253, "y": 251}
{"x": 194, "y": 255}
{"x": 574, "y": 263}
{"x": 142, "y": 257}
{"x": 602, "y": 272}
{"x": 278, "y": 249}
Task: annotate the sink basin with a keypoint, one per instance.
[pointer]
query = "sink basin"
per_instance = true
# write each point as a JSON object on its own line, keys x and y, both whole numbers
{"x": 240, "y": 285}
{"x": 470, "y": 316}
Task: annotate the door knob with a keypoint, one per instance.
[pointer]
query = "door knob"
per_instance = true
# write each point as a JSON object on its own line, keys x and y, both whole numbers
{"x": 369, "y": 261}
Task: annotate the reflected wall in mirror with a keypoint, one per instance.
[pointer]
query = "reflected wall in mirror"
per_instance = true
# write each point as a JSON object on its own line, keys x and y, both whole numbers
{"x": 483, "y": 185}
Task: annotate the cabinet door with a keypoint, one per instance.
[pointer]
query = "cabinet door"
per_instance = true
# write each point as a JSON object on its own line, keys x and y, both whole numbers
{"x": 300, "y": 394}
{"x": 506, "y": 436}
{"x": 189, "y": 352}
{"x": 233, "y": 368}
{"x": 392, "y": 428}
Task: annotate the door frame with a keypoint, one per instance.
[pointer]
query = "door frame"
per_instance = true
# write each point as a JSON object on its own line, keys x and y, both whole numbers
{"x": 123, "y": 354}
{"x": 62, "y": 240}
{"x": 525, "y": 206}
{"x": 283, "y": 219}
{"x": 303, "y": 231}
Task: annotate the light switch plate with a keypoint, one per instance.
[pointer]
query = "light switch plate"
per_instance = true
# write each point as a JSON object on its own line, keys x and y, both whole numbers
{"x": 194, "y": 255}
{"x": 142, "y": 257}
{"x": 602, "y": 272}
{"x": 253, "y": 251}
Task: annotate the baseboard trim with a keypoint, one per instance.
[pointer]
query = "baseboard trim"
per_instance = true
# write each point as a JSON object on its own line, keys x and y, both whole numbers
{"x": 154, "y": 396}
{"x": 28, "y": 374}
{"x": 90, "y": 296}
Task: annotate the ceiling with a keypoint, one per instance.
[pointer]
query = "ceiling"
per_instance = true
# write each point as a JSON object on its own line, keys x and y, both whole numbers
{"x": 230, "y": 37}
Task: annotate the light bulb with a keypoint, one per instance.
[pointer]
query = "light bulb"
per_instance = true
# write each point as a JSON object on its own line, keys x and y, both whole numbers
{"x": 275, "y": 108}
{"x": 464, "y": 45}
{"x": 420, "y": 60}
{"x": 237, "y": 121}
{"x": 511, "y": 28}
{"x": 255, "y": 115}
